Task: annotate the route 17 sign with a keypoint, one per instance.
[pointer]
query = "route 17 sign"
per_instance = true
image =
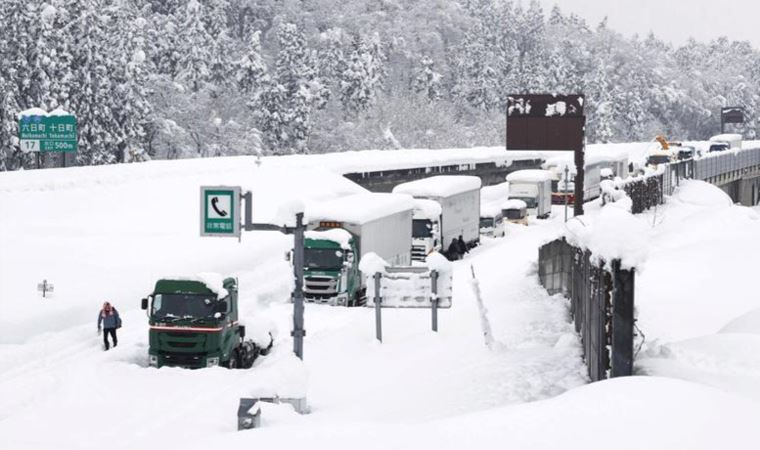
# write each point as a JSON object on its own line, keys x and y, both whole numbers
{"x": 220, "y": 211}
{"x": 43, "y": 132}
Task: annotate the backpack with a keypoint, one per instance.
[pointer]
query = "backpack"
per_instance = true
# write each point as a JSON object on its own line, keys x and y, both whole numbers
{"x": 118, "y": 319}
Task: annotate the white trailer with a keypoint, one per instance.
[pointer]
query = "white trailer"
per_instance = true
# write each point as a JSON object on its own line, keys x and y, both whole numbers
{"x": 459, "y": 200}
{"x": 377, "y": 223}
{"x": 534, "y": 187}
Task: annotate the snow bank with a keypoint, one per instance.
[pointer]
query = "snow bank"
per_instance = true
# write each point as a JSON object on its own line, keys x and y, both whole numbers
{"x": 514, "y": 204}
{"x": 529, "y": 176}
{"x": 613, "y": 234}
{"x": 746, "y": 323}
{"x": 213, "y": 281}
{"x": 371, "y": 264}
{"x": 439, "y": 263}
{"x": 439, "y": 186}
{"x": 337, "y": 235}
{"x": 360, "y": 208}
{"x": 426, "y": 209}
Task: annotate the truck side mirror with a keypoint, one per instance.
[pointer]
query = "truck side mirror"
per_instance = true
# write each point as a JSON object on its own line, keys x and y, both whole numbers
{"x": 144, "y": 304}
{"x": 349, "y": 257}
{"x": 288, "y": 255}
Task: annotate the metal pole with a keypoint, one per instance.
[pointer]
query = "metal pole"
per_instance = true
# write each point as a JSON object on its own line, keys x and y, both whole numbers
{"x": 567, "y": 175}
{"x": 298, "y": 248}
{"x": 378, "y": 314}
{"x": 579, "y": 181}
{"x": 434, "y": 289}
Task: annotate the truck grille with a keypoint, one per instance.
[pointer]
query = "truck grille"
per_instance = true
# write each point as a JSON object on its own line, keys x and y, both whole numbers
{"x": 320, "y": 285}
{"x": 182, "y": 359}
{"x": 418, "y": 253}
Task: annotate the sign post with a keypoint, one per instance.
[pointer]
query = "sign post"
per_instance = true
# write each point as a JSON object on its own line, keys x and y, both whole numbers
{"x": 549, "y": 122}
{"x": 220, "y": 216}
{"x": 45, "y": 287}
{"x": 43, "y": 132}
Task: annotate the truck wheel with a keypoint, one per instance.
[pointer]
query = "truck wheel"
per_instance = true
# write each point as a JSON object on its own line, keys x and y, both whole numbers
{"x": 233, "y": 362}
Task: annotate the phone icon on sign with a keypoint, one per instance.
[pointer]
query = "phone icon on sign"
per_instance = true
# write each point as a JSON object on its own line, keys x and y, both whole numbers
{"x": 221, "y": 212}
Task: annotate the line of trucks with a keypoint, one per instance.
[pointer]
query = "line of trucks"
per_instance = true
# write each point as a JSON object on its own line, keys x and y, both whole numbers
{"x": 193, "y": 322}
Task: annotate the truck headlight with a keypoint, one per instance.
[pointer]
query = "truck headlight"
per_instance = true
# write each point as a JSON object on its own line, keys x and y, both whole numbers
{"x": 153, "y": 361}
{"x": 212, "y": 362}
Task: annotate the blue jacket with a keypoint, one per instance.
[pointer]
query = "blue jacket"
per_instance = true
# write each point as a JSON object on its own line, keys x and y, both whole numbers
{"x": 109, "y": 321}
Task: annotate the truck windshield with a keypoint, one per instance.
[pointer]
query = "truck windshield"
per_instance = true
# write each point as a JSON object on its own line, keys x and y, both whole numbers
{"x": 184, "y": 306}
{"x": 486, "y": 222}
{"x": 530, "y": 201}
{"x": 323, "y": 258}
{"x": 514, "y": 214}
{"x": 422, "y": 228}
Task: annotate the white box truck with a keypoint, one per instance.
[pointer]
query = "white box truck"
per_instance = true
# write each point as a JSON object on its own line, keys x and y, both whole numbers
{"x": 459, "y": 199}
{"x": 534, "y": 187}
{"x": 341, "y": 231}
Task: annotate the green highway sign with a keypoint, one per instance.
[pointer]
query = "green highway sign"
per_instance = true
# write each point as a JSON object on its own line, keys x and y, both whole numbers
{"x": 48, "y": 133}
{"x": 220, "y": 211}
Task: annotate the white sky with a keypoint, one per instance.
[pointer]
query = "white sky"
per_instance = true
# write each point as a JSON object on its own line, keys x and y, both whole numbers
{"x": 671, "y": 20}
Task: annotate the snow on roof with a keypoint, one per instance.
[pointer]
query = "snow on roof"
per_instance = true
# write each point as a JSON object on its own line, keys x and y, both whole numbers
{"x": 529, "y": 176}
{"x": 212, "y": 280}
{"x": 59, "y": 112}
{"x": 360, "y": 208}
{"x": 514, "y": 204}
{"x": 607, "y": 172}
{"x": 337, "y": 235}
{"x": 426, "y": 209}
{"x": 439, "y": 186}
{"x": 728, "y": 137}
{"x": 490, "y": 209}
{"x": 495, "y": 193}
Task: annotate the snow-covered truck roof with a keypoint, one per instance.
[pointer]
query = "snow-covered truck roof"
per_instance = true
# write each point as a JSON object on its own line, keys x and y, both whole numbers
{"x": 426, "y": 209}
{"x": 514, "y": 204}
{"x": 439, "y": 186}
{"x": 337, "y": 235}
{"x": 491, "y": 209}
{"x": 359, "y": 208}
{"x": 495, "y": 193}
{"x": 529, "y": 176}
{"x": 728, "y": 137}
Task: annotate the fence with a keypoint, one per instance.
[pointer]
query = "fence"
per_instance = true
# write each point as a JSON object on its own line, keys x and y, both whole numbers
{"x": 648, "y": 191}
{"x": 601, "y": 299}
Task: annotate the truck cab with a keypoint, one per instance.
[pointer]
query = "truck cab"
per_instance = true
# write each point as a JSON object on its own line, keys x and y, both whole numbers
{"x": 341, "y": 231}
{"x": 515, "y": 211}
{"x": 426, "y": 228}
{"x": 491, "y": 220}
{"x": 193, "y": 323}
{"x": 331, "y": 267}
{"x": 534, "y": 188}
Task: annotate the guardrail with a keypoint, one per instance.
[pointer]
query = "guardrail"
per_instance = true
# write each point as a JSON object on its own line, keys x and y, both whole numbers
{"x": 647, "y": 191}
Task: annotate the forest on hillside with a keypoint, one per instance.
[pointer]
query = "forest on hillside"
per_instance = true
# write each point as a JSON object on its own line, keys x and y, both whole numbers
{"x": 166, "y": 79}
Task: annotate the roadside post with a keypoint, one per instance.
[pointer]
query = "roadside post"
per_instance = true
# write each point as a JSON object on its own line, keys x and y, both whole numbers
{"x": 409, "y": 287}
{"x": 434, "y": 298}
{"x": 378, "y": 308}
{"x": 45, "y": 288}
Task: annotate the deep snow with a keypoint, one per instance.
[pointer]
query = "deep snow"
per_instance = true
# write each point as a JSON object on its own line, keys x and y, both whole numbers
{"x": 109, "y": 232}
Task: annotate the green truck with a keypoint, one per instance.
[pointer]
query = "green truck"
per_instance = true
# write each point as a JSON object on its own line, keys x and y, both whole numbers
{"x": 194, "y": 324}
{"x": 341, "y": 232}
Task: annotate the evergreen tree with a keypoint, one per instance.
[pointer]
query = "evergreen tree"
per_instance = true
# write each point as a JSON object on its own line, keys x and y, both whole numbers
{"x": 195, "y": 48}
{"x": 427, "y": 81}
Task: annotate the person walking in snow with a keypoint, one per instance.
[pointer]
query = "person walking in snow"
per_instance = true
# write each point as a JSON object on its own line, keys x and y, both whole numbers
{"x": 462, "y": 246}
{"x": 453, "y": 252}
{"x": 109, "y": 318}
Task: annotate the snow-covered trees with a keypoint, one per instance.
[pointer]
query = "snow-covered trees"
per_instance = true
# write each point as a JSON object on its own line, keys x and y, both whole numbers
{"x": 292, "y": 95}
{"x": 188, "y": 78}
